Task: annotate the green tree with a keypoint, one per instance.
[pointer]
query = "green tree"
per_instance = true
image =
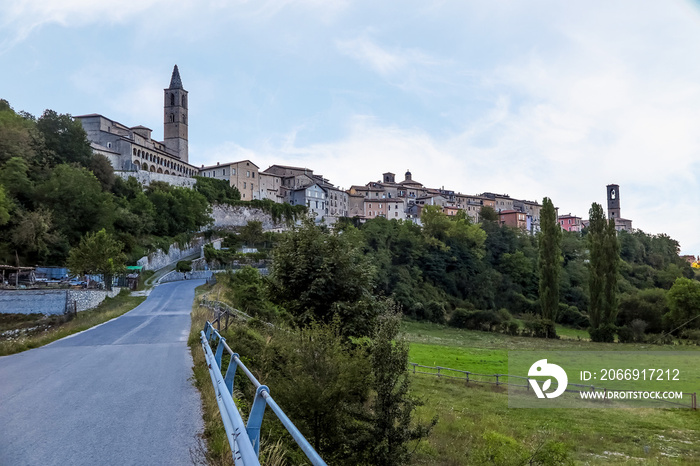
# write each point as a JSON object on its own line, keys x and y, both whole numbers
{"x": 317, "y": 274}
{"x": 247, "y": 292}
{"x": 76, "y": 200}
{"x": 5, "y": 206}
{"x": 14, "y": 176}
{"x": 684, "y": 303}
{"x": 252, "y": 233}
{"x": 596, "y": 281}
{"x": 97, "y": 253}
{"x": 102, "y": 168}
{"x": 323, "y": 383}
{"x": 35, "y": 235}
{"x": 603, "y": 273}
{"x": 392, "y": 423}
{"x": 18, "y": 135}
{"x": 65, "y": 140}
{"x": 550, "y": 260}
{"x": 216, "y": 191}
{"x": 488, "y": 214}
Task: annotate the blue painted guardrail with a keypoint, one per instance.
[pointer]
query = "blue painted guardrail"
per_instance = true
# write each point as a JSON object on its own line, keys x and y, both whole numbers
{"x": 244, "y": 438}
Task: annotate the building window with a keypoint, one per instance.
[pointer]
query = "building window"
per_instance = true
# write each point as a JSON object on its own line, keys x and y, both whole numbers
{"x": 253, "y": 174}
{"x": 172, "y": 99}
{"x": 247, "y": 174}
{"x": 244, "y": 185}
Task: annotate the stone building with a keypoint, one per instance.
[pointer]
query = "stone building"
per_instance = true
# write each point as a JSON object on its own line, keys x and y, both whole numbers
{"x": 132, "y": 149}
{"x": 570, "y": 222}
{"x": 243, "y": 175}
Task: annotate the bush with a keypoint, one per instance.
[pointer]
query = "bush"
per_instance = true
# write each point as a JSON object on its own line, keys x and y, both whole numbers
{"x": 572, "y": 317}
{"x": 647, "y": 305}
{"x": 510, "y": 327}
{"x": 692, "y": 335}
{"x": 625, "y": 335}
{"x": 536, "y": 326}
{"x": 605, "y": 333}
{"x": 435, "y": 312}
{"x": 184, "y": 266}
{"x": 486, "y": 320}
{"x": 460, "y": 318}
{"x": 659, "y": 339}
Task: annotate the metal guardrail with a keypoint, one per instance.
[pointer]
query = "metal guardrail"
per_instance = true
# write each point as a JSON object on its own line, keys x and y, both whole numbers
{"x": 244, "y": 438}
{"x": 504, "y": 379}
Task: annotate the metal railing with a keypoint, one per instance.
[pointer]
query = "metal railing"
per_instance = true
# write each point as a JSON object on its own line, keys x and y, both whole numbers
{"x": 505, "y": 379}
{"x": 244, "y": 438}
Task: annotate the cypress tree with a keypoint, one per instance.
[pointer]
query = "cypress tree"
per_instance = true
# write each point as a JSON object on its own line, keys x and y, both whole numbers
{"x": 603, "y": 267}
{"x": 612, "y": 266}
{"x": 550, "y": 260}
{"x": 596, "y": 282}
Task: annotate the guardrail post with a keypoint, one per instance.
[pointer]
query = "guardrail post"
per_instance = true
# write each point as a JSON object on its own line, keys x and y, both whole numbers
{"x": 208, "y": 330}
{"x": 231, "y": 372}
{"x": 256, "y": 417}
{"x": 220, "y": 351}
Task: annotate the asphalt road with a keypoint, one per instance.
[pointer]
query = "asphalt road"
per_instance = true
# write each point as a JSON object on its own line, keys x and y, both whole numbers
{"x": 119, "y": 393}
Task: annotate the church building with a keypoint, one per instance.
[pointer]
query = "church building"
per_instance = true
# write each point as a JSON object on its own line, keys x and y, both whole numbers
{"x": 131, "y": 149}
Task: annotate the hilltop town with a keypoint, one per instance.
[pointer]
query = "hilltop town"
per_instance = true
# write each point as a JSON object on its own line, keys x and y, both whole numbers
{"x": 133, "y": 152}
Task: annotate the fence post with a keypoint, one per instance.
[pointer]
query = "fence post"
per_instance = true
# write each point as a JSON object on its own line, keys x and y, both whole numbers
{"x": 231, "y": 372}
{"x": 497, "y": 379}
{"x": 438, "y": 369}
{"x": 468, "y": 376}
{"x": 414, "y": 367}
{"x": 256, "y": 417}
{"x": 694, "y": 399}
{"x": 220, "y": 351}
{"x": 527, "y": 385}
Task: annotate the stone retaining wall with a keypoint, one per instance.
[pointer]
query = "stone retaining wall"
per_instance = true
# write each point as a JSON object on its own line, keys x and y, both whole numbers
{"x": 51, "y": 301}
{"x": 177, "y": 276}
{"x": 159, "y": 259}
{"x": 226, "y": 217}
{"x": 146, "y": 178}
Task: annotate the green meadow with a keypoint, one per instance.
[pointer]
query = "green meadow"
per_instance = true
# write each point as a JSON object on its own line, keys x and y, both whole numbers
{"x": 476, "y": 426}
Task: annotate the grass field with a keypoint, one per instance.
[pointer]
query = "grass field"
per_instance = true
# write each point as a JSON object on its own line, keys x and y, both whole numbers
{"x": 36, "y": 330}
{"x": 476, "y": 426}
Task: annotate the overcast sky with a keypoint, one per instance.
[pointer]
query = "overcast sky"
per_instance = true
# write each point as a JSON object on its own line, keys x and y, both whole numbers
{"x": 532, "y": 99}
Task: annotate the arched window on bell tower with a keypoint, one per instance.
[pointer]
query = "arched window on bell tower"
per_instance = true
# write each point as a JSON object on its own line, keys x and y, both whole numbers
{"x": 172, "y": 118}
{"x": 184, "y": 101}
{"x": 172, "y": 99}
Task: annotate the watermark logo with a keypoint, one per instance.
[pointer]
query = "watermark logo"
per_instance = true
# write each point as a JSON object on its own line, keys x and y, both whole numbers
{"x": 543, "y": 368}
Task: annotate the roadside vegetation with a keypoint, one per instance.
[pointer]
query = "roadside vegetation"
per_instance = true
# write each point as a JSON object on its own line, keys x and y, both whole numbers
{"x": 20, "y": 332}
{"x": 469, "y": 293}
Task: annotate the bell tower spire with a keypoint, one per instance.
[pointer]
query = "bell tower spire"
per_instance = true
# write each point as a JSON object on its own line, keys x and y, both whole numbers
{"x": 175, "y": 112}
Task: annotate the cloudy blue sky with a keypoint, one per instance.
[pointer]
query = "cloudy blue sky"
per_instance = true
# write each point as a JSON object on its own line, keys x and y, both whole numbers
{"x": 533, "y": 99}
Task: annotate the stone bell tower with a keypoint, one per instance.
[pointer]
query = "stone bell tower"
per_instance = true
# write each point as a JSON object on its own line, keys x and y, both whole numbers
{"x": 613, "y": 201}
{"x": 175, "y": 117}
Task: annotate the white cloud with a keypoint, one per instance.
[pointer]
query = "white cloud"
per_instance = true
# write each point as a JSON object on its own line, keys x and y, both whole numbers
{"x": 19, "y": 19}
